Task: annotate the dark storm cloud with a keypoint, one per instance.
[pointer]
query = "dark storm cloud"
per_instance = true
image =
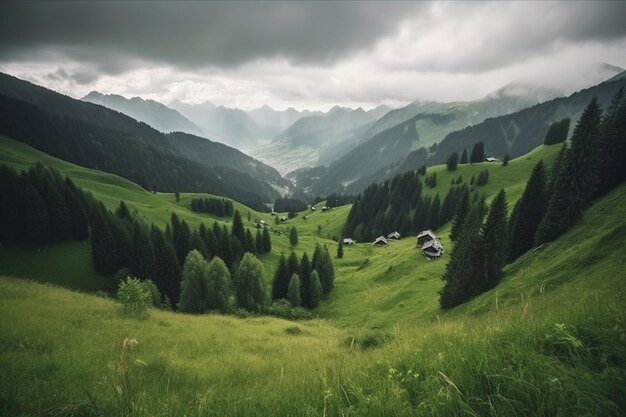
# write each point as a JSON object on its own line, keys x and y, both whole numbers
{"x": 194, "y": 34}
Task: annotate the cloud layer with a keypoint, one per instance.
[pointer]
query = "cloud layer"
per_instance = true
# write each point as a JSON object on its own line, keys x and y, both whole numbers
{"x": 308, "y": 54}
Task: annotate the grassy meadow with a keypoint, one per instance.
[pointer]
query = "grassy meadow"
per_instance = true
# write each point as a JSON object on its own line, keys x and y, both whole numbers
{"x": 550, "y": 340}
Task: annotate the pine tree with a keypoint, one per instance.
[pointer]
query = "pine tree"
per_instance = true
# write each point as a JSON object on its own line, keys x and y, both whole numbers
{"x": 315, "y": 290}
{"x": 219, "y": 286}
{"x": 251, "y": 291}
{"x": 478, "y": 153}
{"x": 104, "y": 252}
{"x": 267, "y": 242}
{"x": 237, "y": 228}
{"x": 167, "y": 270}
{"x": 281, "y": 280}
{"x": 258, "y": 243}
{"x": 250, "y": 245}
{"x": 323, "y": 264}
{"x": 34, "y": 214}
{"x": 611, "y": 148}
{"x": 305, "y": 280}
{"x": 293, "y": 265}
{"x": 340, "y": 248}
{"x": 194, "y": 292}
{"x": 293, "y": 292}
{"x": 460, "y": 215}
{"x": 495, "y": 236}
{"x": 463, "y": 157}
{"x": 530, "y": 210}
{"x": 122, "y": 212}
{"x": 143, "y": 258}
{"x": 466, "y": 266}
{"x": 453, "y": 161}
{"x": 575, "y": 183}
{"x": 293, "y": 236}
{"x": 432, "y": 221}
{"x": 505, "y": 161}
{"x": 557, "y": 132}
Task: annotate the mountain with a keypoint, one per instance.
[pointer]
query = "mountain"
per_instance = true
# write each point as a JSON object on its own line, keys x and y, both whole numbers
{"x": 268, "y": 117}
{"x": 302, "y": 143}
{"x": 97, "y": 137}
{"x": 155, "y": 114}
{"x": 232, "y": 127}
{"x": 515, "y": 134}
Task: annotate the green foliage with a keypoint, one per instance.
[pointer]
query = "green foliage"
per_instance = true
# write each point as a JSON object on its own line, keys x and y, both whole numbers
{"x": 135, "y": 297}
{"x": 483, "y": 178}
{"x": 495, "y": 235}
{"x": 194, "y": 287}
{"x": 323, "y": 264}
{"x": 293, "y": 236}
{"x": 237, "y": 228}
{"x": 453, "y": 161}
{"x": 315, "y": 290}
{"x": 463, "y": 157}
{"x": 267, "y": 241}
{"x": 478, "y": 153}
{"x": 557, "y": 132}
{"x": 281, "y": 280}
{"x": 252, "y": 293}
{"x": 285, "y": 310}
{"x": 505, "y": 160}
{"x": 293, "y": 291}
{"x": 340, "y": 248}
{"x": 219, "y": 286}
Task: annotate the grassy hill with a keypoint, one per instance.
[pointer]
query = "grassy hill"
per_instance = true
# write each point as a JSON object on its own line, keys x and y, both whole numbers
{"x": 549, "y": 340}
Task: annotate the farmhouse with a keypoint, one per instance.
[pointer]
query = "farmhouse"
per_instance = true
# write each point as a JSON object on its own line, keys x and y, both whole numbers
{"x": 380, "y": 241}
{"x": 348, "y": 241}
{"x": 394, "y": 236}
{"x": 424, "y": 237}
{"x": 490, "y": 159}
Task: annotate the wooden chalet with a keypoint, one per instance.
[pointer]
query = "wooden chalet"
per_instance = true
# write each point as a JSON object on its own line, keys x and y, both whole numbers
{"x": 432, "y": 249}
{"x": 394, "y": 236}
{"x": 348, "y": 241}
{"x": 424, "y": 237}
{"x": 380, "y": 241}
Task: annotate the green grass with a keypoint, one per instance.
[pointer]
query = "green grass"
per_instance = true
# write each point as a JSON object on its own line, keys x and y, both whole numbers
{"x": 549, "y": 340}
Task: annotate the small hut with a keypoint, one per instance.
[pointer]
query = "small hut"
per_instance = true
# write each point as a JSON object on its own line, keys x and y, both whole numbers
{"x": 424, "y": 237}
{"x": 394, "y": 236}
{"x": 348, "y": 241}
{"x": 432, "y": 249}
{"x": 380, "y": 241}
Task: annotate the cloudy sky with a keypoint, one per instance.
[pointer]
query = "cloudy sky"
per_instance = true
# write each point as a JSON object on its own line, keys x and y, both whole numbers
{"x": 308, "y": 55}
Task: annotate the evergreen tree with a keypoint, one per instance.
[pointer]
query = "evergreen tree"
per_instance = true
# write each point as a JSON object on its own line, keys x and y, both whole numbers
{"x": 250, "y": 245}
{"x": 252, "y": 293}
{"x": 237, "y": 228}
{"x": 196, "y": 242}
{"x": 293, "y": 292}
{"x": 453, "y": 161}
{"x": 466, "y": 266}
{"x": 464, "y": 157}
{"x": 267, "y": 242}
{"x": 530, "y": 210}
{"x": 340, "y": 248}
{"x": 293, "y": 236}
{"x": 258, "y": 242}
{"x": 123, "y": 241}
{"x": 495, "y": 236}
{"x": 281, "y": 280}
{"x": 611, "y": 146}
{"x": 557, "y": 132}
{"x": 305, "y": 280}
{"x": 432, "y": 221}
{"x": 315, "y": 290}
{"x": 194, "y": 290}
{"x": 78, "y": 214}
{"x": 104, "y": 252}
{"x": 143, "y": 258}
{"x": 219, "y": 286}
{"x": 575, "y": 182}
{"x": 323, "y": 264}
{"x": 460, "y": 215}
{"x": 33, "y": 212}
{"x": 478, "y": 153}
{"x": 293, "y": 265}
{"x": 505, "y": 161}
{"x": 122, "y": 212}
{"x": 180, "y": 237}
{"x": 167, "y": 270}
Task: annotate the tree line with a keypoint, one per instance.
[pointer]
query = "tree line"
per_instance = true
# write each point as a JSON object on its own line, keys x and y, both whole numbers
{"x": 219, "y": 207}
{"x": 553, "y": 201}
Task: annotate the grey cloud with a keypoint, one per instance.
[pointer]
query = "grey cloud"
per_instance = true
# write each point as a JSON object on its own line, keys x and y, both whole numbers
{"x": 195, "y": 34}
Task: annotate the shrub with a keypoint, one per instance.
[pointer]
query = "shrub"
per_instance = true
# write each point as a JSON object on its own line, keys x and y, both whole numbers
{"x": 284, "y": 310}
{"x": 135, "y": 297}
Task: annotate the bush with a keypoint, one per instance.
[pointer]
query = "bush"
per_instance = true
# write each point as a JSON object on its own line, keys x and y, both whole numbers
{"x": 284, "y": 310}
{"x": 367, "y": 340}
{"x": 135, "y": 297}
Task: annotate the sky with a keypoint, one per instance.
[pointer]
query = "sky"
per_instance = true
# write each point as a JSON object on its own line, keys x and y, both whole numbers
{"x": 309, "y": 55}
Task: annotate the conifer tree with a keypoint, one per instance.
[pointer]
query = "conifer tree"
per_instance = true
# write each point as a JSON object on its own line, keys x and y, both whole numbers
{"x": 315, "y": 290}
{"x": 305, "y": 280}
{"x": 258, "y": 242}
{"x": 463, "y": 157}
{"x": 123, "y": 240}
{"x": 323, "y": 264}
{"x": 143, "y": 258}
{"x": 78, "y": 214}
{"x": 575, "y": 183}
{"x": 250, "y": 245}
{"x": 611, "y": 146}
{"x": 33, "y": 212}
{"x": 432, "y": 221}
{"x": 460, "y": 215}
{"x": 466, "y": 266}
{"x": 478, "y": 153}
{"x": 529, "y": 211}
{"x": 237, "y": 228}
{"x": 122, "y": 211}
{"x": 167, "y": 270}
{"x": 505, "y": 161}
{"x": 293, "y": 265}
{"x": 281, "y": 280}
{"x": 194, "y": 292}
{"x": 219, "y": 286}
{"x": 104, "y": 251}
{"x": 267, "y": 242}
{"x": 453, "y": 161}
{"x": 252, "y": 294}
{"x": 293, "y": 292}
{"x": 293, "y": 236}
{"x": 340, "y": 248}
{"x": 196, "y": 242}
{"x": 495, "y": 236}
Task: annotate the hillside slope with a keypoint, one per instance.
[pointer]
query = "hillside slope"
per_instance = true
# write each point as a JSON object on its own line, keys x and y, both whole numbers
{"x": 548, "y": 340}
